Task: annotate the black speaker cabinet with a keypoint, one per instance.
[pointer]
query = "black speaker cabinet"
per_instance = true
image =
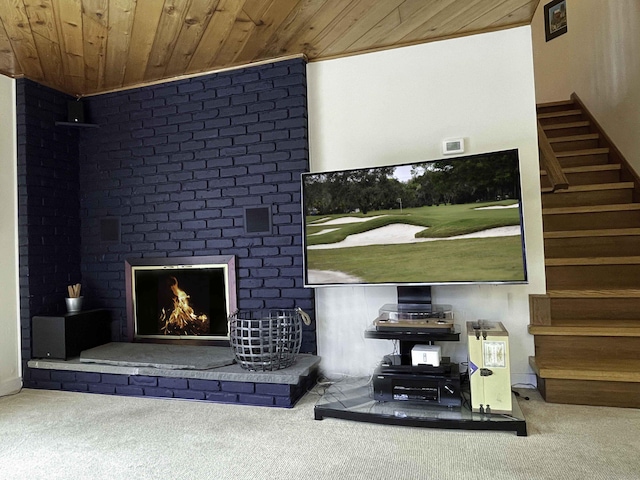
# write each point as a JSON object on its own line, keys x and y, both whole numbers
{"x": 65, "y": 336}
{"x": 75, "y": 111}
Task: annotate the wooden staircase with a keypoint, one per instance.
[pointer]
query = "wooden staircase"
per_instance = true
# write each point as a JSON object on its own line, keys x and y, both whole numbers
{"x": 587, "y": 326}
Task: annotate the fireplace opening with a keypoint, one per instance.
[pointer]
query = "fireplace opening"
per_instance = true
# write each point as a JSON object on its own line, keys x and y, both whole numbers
{"x": 182, "y": 298}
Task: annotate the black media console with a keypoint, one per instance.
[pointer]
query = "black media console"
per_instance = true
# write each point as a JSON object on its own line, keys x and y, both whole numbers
{"x": 400, "y": 393}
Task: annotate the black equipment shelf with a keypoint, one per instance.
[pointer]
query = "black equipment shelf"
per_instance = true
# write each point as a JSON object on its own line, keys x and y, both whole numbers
{"x": 352, "y": 399}
{"x": 408, "y": 339}
{"x": 76, "y": 124}
{"x": 388, "y": 333}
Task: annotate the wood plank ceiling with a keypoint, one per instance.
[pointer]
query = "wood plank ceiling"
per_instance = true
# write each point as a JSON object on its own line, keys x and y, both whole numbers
{"x": 85, "y": 47}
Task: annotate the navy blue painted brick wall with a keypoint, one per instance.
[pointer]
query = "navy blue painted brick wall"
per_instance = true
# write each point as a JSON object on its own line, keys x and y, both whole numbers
{"x": 178, "y": 163}
{"x": 248, "y": 393}
{"x": 48, "y": 204}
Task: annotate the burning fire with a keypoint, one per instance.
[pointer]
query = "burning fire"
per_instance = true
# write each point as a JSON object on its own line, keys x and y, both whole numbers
{"x": 182, "y": 320}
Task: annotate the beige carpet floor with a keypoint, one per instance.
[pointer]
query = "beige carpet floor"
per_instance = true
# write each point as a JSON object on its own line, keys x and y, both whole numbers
{"x": 61, "y": 435}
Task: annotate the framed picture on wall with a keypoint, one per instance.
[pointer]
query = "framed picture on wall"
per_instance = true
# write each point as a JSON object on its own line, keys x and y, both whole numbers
{"x": 555, "y": 19}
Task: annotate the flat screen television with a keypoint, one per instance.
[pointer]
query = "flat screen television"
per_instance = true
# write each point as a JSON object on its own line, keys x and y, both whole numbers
{"x": 446, "y": 221}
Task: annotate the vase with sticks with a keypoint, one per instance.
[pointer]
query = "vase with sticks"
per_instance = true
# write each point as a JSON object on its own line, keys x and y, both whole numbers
{"x": 74, "y": 300}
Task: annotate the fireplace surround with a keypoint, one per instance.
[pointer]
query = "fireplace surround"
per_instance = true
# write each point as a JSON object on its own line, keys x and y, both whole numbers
{"x": 174, "y": 299}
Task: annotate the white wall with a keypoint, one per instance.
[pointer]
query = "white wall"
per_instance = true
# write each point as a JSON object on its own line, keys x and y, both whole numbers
{"x": 398, "y": 106}
{"x": 10, "y": 371}
{"x": 598, "y": 59}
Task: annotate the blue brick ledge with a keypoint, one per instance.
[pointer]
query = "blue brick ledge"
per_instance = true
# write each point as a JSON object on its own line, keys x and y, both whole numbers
{"x": 229, "y": 384}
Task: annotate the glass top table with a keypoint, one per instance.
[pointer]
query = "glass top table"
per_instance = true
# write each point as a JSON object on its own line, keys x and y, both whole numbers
{"x": 352, "y": 399}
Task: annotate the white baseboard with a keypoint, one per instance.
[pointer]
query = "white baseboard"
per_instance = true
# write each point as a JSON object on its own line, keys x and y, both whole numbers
{"x": 9, "y": 387}
{"x": 523, "y": 380}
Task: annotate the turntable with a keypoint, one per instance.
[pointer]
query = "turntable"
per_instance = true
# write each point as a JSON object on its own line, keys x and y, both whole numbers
{"x": 417, "y": 318}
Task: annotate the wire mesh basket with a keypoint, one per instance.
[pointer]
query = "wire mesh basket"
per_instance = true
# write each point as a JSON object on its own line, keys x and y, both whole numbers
{"x": 268, "y": 340}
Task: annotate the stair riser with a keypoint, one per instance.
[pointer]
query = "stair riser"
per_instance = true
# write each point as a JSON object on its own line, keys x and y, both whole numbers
{"x": 575, "y": 145}
{"x": 560, "y": 107}
{"x": 592, "y": 277}
{"x": 587, "y": 392}
{"x": 566, "y": 132}
{"x": 562, "y": 118}
{"x": 595, "y": 309}
{"x": 591, "y": 178}
{"x": 586, "y": 178}
{"x": 584, "y": 160}
{"x": 589, "y": 221}
{"x": 581, "y": 349}
{"x": 592, "y": 247}
{"x": 577, "y": 199}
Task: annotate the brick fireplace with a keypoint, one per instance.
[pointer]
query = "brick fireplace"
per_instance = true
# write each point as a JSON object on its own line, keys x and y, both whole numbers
{"x": 180, "y": 299}
{"x": 171, "y": 170}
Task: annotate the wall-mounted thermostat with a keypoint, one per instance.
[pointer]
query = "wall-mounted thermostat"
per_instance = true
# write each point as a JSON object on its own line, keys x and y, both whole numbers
{"x": 455, "y": 145}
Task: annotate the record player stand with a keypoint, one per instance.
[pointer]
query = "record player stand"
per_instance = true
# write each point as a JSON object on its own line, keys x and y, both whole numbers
{"x": 352, "y": 399}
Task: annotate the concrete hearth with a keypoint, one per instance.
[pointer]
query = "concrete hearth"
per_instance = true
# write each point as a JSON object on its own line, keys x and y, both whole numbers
{"x": 165, "y": 364}
{"x": 163, "y": 356}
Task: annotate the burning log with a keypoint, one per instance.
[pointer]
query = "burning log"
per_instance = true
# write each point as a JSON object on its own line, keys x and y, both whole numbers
{"x": 182, "y": 319}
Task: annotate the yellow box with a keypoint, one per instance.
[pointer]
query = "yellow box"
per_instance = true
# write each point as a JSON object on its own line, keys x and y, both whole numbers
{"x": 489, "y": 368}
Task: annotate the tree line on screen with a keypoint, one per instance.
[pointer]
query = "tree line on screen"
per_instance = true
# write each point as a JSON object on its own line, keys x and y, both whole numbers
{"x": 448, "y": 181}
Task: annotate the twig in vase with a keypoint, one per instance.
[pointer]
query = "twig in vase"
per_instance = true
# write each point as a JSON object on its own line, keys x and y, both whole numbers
{"x": 74, "y": 290}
